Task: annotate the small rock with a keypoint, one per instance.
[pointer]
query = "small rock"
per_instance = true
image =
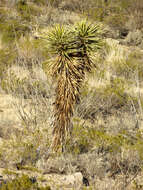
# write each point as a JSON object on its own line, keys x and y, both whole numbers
{"x": 33, "y": 179}
{"x": 85, "y": 181}
{"x": 2, "y": 181}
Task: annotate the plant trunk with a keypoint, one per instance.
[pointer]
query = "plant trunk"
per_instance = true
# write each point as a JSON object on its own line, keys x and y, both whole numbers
{"x": 67, "y": 94}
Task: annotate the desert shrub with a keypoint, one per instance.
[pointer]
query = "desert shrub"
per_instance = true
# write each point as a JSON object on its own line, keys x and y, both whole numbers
{"x": 23, "y": 183}
{"x": 110, "y": 12}
{"x": 87, "y": 137}
{"x": 13, "y": 29}
{"x": 100, "y": 153}
{"x": 23, "y": 87}
{"x": 27, "y": 10}
{"x": 12, "y": 84}
{"x": 135, "y": 11}
{"x": 6, "y": 59}
{"x": 134, "y": 38}
{"x": 28, "y": 144}
{"x": 131, "y": 68}
{"x": 26, "y": 148}
{"x": 81, "y": 142}
{"x": 125, "y": 14}
{"x": 73, "y": 5}
{"x": 117, "y": 21}
{"x": 105, "y": 100}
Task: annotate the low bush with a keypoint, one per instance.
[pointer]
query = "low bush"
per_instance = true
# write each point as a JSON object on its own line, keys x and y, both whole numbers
{"x": 105, "y": 100}
{"x": 131, "y": 68}
{"x": 28, "y": 10}
{"x": 22, "y": 183}
{"x": 135, "y": 38}
{"x": 6, "y": 60}
{"x": 13, "y": 29}
{"x": 23, "y": 87}
{"x": 26, "y": 148}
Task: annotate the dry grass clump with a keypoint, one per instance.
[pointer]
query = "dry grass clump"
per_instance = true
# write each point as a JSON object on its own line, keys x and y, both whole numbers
{"x": 81, "y": 6}
{"x": 115, "y": 56}
{"x": 136, "y": 14}
{"x": 134, "y": 38}
{"x": 58, "y": 16}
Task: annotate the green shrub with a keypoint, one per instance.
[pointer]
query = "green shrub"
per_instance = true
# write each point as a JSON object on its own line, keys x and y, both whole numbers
{"x": 6, "y": 59}
{"x": 12, "y": 84}
{"x": 81, "y": 142}
{"x": 23, "y": 183}
{"x": 110, "y": 12}
{"x": 88, "y": 137}
{"x": 13, "y": 29}
{"x": 28, "y": 10}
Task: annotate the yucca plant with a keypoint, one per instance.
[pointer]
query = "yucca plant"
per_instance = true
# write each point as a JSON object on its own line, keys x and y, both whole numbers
{"x": 72, "y": 50}
{"x": 88, "y": 39}
{"x": 64, "y": 69}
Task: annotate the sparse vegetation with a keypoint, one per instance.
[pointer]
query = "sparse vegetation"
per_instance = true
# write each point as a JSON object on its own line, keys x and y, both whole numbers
{"x": 62, "y": 88}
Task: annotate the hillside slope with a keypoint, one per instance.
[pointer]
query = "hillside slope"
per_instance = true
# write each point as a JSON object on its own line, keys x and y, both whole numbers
{"x": 105, "y": 148}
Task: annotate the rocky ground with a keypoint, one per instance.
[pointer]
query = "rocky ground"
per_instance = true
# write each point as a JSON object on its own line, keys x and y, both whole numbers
{"x": 105, "y": 150}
